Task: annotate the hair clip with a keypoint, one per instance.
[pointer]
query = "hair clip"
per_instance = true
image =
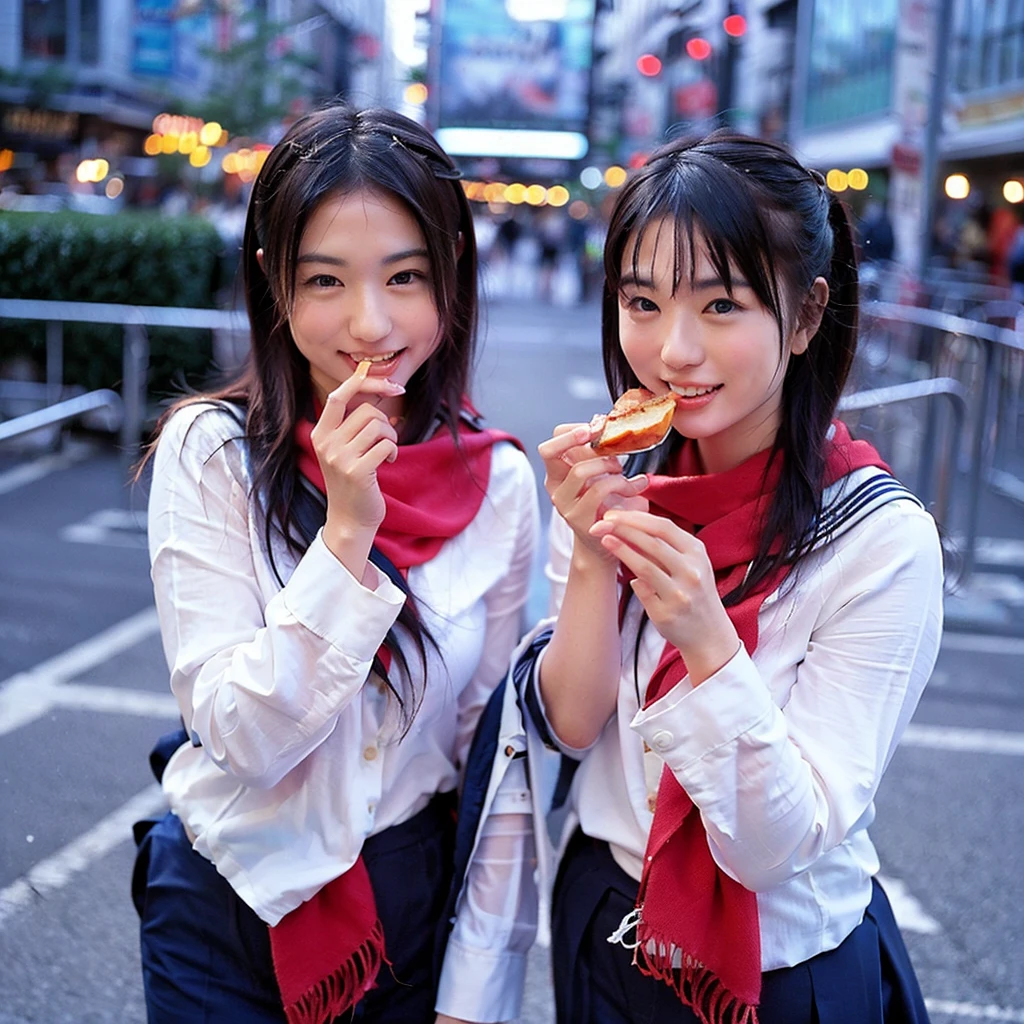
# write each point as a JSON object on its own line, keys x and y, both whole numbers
{"x": 437, "y": 168}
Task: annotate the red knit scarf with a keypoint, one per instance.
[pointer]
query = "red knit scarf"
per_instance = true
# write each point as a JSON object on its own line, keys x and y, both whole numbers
{"x": 327, "y": 951}
{"x": 686, "y": 903}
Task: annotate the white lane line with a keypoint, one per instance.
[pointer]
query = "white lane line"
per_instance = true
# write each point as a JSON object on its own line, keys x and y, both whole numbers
{"x": 55, "y": 872}
{"x": 29, "y": 473}
{"x": 26, "y": 696}
{"x": 83, "y": 697}
{"x": 982, "y": 643}
{"x": 909, "y": 914}
{"x": 118, "y": 527}
{"x": 967, "y": 741}
{"x": 974, "y": 1011}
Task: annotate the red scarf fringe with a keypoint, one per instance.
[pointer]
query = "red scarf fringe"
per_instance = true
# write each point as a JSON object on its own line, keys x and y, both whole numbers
{"x": 342, "y": 988}
{"x": 694, "y": 985}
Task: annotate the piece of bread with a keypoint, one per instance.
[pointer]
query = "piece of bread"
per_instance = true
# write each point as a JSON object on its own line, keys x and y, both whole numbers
{"x": 638, "y": 420}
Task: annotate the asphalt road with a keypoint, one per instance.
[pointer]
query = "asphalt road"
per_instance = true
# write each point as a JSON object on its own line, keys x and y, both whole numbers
{"x": 83, "y": 694}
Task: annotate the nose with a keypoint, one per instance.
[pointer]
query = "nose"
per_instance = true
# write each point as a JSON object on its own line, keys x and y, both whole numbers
{"x": 369, "y": 320}
{"x": 682, "y": 346}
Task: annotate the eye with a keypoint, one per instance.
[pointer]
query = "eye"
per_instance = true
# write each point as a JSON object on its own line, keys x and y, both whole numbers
{"x": 722, "y": 306}
{"x": 405, "y": 277}
{"x": 642, "y": 304}
{"x": 323, "y": 281}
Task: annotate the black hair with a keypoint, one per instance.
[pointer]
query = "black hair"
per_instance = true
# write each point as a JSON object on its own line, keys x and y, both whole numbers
{"x": 758, "y": 213}
{"x": 331, "y": 152}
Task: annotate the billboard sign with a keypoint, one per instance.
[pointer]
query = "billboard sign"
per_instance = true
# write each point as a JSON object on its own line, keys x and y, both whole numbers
{"x": 514, "y": 74}
{"x": 153, "y": 38}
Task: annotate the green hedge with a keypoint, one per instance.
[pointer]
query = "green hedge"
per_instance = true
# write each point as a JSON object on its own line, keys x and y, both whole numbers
{"x": 133, "y": 257}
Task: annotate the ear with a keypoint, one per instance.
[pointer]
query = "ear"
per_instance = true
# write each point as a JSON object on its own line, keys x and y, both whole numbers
{"x": 809, "y": 317}
{"x": 259, "y": 260}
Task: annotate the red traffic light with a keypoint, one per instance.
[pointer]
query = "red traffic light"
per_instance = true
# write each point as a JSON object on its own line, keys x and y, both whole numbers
{"x": 735, "y": 25}
{"x": 648, "y": 65}
{"x": 698, "y": 49}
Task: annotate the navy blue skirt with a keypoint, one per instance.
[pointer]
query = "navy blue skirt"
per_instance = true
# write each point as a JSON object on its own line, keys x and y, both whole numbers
{"x": 206, "y": 955}
{"x": 868, "y": 979}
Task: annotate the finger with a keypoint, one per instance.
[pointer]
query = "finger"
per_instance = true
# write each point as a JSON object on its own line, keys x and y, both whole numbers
{"x": 338, "y": 400}
{"x": 582, "y": 476}
{"x": 566, "y": 437}
{"x": 669, "y": 557}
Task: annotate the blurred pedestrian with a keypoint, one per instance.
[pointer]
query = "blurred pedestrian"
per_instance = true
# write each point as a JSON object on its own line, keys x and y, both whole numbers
{"x": 746, "y": 618}
{"x": 877, "y": 241}
{"x": 340, "y": 557}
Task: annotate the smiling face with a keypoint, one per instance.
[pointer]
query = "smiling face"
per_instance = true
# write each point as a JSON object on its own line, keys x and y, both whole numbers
{"x": 717, "y": 349}
{"x": 363, "y": 290}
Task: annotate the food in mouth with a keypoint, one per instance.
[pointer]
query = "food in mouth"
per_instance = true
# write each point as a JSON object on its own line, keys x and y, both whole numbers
{"x": 363, "y": 369}
{"x": 638, "y": 420}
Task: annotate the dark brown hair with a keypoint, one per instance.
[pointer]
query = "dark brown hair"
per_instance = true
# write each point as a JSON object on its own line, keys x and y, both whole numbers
{"x": 331, "y": 152}
{"x": 757, "y": 212}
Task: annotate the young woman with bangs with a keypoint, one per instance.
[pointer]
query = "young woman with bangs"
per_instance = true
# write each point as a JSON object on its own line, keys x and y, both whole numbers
{"x": 340, "y": 556}
{"x": 746, "y": 617}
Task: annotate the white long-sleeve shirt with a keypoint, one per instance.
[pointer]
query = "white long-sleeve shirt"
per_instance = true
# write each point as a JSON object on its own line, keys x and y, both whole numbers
{"x": 781, "y": 752}
{"x": 300, "y": 758}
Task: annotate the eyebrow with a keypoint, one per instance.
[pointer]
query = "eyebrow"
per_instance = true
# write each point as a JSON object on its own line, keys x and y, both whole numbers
{"x": 335, "y": 261}
{"x": 703, "y": 285}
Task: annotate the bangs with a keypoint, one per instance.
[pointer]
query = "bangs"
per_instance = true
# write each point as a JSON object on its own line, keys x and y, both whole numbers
{"x": 714, "y": 210}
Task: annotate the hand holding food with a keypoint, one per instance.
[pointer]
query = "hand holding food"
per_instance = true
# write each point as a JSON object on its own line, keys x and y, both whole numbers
{"x": 638, "y": 420}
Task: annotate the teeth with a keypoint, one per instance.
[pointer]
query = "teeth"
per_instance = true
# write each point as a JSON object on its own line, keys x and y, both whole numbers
{"x": 691, "y": 392}
{"x": 379, "y": 359}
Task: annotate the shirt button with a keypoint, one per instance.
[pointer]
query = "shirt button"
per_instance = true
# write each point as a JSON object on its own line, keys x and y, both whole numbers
{"x": 371, "y": 807}
{"x": 370, "y": 753}
{"x": 652, "y": 799}
{"x": 662, "y": 740}
{"x": 509, "y": 750}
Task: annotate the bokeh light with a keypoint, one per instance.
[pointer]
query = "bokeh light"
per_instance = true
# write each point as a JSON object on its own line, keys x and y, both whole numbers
{"x": 1013, "y": 191}
{"x": 858, "y": 179}
{"x": 957, "y": 186}
{"x": 837, "y": 180}
{"x": 615, "y": 176}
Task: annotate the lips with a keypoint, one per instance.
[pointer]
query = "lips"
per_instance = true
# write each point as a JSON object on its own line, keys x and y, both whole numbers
{"x": 381, "y": 364}
{"x": 694, "y": 390}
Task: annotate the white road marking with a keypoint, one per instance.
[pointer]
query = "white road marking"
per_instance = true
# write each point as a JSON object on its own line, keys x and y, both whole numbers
{"x": 974, "y": 1011}
{"x": 55, "y": 872}
{"x": 909, "y": 914}
{"x": 30, "y": 472}
{"x": 82, "y": 697}
{"x": 995, "y": 586}
{"x": 982, "y": 643}
{"x": 965, "y": 741}
{"x": 117, "y": 527}
{"x": 1000, "y": 551}
{"x": 26, "y": 696}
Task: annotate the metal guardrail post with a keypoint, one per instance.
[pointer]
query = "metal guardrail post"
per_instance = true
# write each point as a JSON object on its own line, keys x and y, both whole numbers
{"x": 54, "y": 360}
{"x": 135, "y": 374}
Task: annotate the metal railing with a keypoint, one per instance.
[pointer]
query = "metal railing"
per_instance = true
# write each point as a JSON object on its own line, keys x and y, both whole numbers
{"x": 134, "y": 358}
{"x": 974, "y": 409}
{"x": 964, "y": 359}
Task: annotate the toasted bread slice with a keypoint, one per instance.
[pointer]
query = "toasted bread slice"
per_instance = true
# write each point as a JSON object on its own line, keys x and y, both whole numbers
{"x": 638, "y": 420}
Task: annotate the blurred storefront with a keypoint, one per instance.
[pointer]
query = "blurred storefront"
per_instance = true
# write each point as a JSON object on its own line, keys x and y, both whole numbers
{"x": 86, "y": 79}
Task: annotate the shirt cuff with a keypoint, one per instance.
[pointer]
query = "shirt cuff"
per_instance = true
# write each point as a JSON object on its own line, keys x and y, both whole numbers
{"x": 328, "y": 600}
{"x": 535, "y": 701}
{"x": 689, "y": 723}
{"x": 481, "y": 986}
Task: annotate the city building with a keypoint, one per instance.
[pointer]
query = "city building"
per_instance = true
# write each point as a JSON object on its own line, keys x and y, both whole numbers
{"x": 86, "y": 79}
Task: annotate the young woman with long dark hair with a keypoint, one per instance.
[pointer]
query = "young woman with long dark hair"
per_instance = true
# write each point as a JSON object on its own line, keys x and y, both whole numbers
{"x": 746, "y": 618}
{"x": 341, "y": 557}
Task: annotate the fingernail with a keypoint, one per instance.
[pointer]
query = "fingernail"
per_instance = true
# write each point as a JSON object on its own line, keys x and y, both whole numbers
{"x": 640, "y": 480}
{"x": 399, "y": 389}
{"x": 581, "y": 435}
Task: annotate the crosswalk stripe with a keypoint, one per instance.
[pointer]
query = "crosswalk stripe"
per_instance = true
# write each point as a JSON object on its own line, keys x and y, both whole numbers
{"x": 55, "y": 872}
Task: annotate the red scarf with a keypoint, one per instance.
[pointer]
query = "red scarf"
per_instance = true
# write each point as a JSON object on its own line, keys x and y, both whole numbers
{"x": 686, "y": 902}
{"x": 328, "y": 950}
